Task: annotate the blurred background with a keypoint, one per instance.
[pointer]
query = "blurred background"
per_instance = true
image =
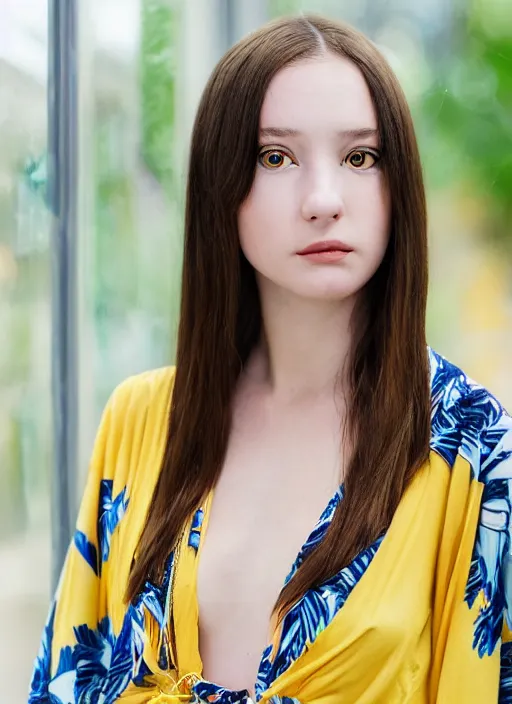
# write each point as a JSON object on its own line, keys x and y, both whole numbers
{"x": 98, "y": 98}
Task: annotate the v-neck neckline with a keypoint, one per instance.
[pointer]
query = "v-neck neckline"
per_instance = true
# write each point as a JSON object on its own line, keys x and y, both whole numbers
{"x": 186, "y": 612}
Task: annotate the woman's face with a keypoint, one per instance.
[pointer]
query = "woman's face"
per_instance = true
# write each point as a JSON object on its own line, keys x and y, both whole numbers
{"x": 318, "y": 182}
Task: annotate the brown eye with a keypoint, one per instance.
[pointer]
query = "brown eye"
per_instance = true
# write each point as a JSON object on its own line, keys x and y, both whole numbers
{"x": 361, "y": 160}
{"x": 273, "y": 159}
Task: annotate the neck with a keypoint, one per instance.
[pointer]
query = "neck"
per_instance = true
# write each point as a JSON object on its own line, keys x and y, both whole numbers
{"x": 304, "y": 345}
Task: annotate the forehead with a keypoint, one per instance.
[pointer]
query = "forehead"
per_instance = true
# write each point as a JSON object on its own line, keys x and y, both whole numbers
{"x": 326, "y": 92}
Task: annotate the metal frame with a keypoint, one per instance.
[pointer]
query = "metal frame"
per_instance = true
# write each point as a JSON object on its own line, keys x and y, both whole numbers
{"x": 62, "y": 197}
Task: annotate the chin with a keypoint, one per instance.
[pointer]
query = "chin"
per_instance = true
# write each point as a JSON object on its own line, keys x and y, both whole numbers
{"x": 329, "y": 286}
{"x": 328, "y": 292}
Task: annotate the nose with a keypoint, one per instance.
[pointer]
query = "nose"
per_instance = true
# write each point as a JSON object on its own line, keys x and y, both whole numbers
{"x": 323, "y": 202}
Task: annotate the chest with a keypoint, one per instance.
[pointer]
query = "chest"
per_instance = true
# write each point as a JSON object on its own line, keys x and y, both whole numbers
{"x": 279, "y": 474}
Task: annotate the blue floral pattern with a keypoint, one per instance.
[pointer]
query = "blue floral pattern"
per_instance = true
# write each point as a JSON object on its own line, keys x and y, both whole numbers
{"x": 310, "y": 616}
{"x": 209, "y": 693}
{"x": 41, "y": 674}
{"x": 110, "y": 514}
{"x": 467, "y": 421}
{"x": 505, "y": 696}
{"x": 98, "y": 665}
{"x": 195, "y": 531}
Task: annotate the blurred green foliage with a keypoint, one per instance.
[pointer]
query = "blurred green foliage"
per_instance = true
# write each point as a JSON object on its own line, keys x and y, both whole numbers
{"x": 161, "y": 21}
{"x": 115, "y": 250}
{"x": 470, "y": 111}
{"x": 158, "y": 70}
{"x": 277, "y": 8}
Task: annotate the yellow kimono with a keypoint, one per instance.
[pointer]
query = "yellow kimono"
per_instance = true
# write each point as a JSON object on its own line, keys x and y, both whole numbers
{"x": 421, "y": 615}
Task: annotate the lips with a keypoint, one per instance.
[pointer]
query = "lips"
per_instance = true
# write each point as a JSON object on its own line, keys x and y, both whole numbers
{"x": 326, "y": 246}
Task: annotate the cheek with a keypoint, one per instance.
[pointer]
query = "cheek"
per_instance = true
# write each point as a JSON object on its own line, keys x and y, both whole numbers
{"x": 370, "y": 197}
{"x": 261, "y": 217}
{"x": 373, "y": 206}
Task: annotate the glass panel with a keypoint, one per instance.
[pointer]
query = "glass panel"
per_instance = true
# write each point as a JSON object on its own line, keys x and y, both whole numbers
{"x": 452, "y": 61}
{"x": 25, "y": 349}
{"x": 130, "y": 197}
{"x": 140, "y": 82}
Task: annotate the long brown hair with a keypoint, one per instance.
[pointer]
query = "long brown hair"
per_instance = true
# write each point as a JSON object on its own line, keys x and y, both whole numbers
{"x": 221, "y": 319}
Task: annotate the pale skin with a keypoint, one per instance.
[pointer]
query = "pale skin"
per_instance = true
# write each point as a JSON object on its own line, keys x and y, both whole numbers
{"x": 286, "y": 454}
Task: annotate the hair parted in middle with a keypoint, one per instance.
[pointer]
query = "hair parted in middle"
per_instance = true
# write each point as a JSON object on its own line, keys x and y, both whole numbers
{"x": 220, "y": 320}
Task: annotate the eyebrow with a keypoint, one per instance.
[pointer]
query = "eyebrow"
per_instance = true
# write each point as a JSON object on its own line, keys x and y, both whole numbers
{"x": 358, "y": 133}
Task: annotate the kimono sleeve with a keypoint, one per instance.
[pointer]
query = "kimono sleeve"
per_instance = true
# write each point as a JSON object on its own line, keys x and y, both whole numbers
{"x": 495, "y": 542}
{"x": 472, "y": 656}
{"x": 78, "y": 633}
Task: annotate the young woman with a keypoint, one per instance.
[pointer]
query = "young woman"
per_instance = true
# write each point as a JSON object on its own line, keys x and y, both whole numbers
{"x": 313, "y": 506}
